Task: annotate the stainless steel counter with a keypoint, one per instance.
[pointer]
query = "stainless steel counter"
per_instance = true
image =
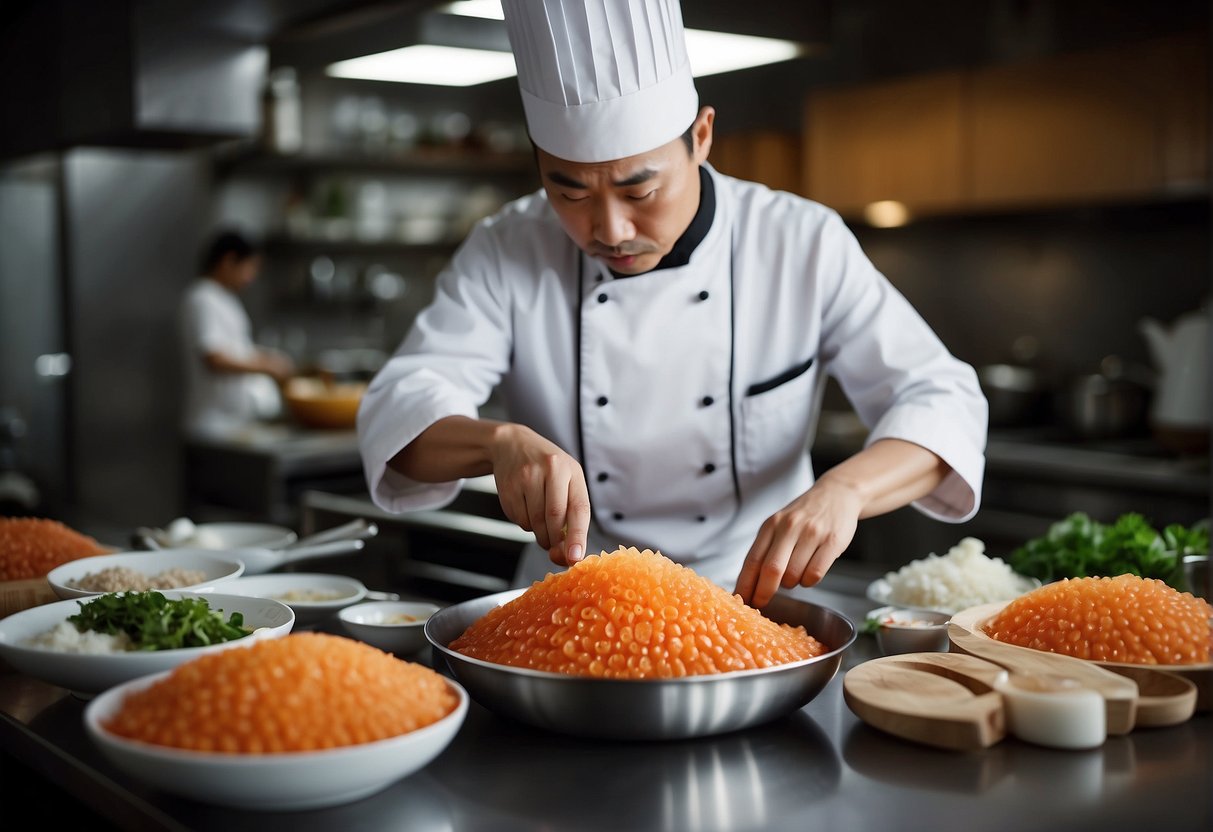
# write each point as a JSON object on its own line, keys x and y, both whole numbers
{"x": 261, "y": 472}
{"x": 820, "y": 768}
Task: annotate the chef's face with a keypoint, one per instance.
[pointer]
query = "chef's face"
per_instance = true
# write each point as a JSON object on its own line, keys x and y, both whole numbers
{"x": 237, "y": 272}
{"x": 629, "y": 212}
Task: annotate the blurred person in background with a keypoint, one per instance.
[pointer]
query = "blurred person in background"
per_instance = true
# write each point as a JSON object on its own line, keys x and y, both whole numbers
{"x": 230, "y": 381}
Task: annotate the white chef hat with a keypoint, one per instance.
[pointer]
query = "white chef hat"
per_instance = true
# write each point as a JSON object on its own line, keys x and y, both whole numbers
{"x": 601, "y": 79}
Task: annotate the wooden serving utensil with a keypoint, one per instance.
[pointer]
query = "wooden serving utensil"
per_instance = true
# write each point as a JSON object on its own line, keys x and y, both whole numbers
{"x": 1163, "y": 698}
{"x": 944, "y": 700}
{"x": 1118, "y": 692}
{"x": 1160, "y": 695}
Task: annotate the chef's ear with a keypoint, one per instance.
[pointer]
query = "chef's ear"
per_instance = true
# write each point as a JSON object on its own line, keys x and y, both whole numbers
{"x": 701, "y": 133}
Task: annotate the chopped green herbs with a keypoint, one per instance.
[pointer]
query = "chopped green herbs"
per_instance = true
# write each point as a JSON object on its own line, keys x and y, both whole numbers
{"x": 1079, "y": 547}
{"x": 154, "y": 622}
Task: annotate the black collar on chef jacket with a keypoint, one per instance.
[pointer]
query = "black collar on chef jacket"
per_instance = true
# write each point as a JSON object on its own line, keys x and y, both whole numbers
{"x": 700, "y": 225}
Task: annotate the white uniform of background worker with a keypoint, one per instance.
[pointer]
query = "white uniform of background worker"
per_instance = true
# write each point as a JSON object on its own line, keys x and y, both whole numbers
{"x": 674, "y": 394}
{"x": 229, "y": 379}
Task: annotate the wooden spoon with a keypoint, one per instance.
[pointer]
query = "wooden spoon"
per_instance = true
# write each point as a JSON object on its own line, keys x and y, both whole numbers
{"x": 944, "y": 700}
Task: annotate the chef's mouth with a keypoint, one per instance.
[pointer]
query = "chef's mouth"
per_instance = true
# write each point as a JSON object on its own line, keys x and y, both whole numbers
{"x": 621, "y": 257}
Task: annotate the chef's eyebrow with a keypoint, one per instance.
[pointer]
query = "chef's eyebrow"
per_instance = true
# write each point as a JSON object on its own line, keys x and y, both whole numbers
{"x": 637, "y": 178}
{"x": 565, "y": 180}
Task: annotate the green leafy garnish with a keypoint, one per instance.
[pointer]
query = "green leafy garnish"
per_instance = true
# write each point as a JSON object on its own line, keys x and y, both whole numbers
{"x": 870, "y": 626}
{"x": 1193, "y": 540}
{"x": 1079, "y": 547}
{"x": 153, "y": 622}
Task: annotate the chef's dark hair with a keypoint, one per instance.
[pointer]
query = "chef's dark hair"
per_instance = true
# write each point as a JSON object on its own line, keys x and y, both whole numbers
{"x": 223, "y": 244}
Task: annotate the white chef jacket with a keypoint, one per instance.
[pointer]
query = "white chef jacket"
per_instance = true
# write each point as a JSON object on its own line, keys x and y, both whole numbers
{"x": 689, "y": 394}
{"x": 214, "y": 320}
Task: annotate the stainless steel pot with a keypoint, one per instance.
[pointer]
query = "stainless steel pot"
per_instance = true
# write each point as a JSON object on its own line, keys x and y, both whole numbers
{"x": 1014, "y": 393}
{"x": 1102, "y": 406}
{"x": 644, "y": 709}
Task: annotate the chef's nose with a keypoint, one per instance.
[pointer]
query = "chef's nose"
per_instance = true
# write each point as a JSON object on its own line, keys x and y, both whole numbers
{"x": 612, "y": 225}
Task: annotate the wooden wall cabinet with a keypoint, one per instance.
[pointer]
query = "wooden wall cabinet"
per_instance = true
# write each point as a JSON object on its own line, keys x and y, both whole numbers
{"x": 901, "y": 140}
{"x": 1129, "y": 122}
{"x": 1116, "y": 124}
{"x": 766, "y": 156}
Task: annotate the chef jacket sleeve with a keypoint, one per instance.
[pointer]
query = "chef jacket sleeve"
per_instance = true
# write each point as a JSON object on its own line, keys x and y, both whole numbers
{"x": 898, "y": 375}
{"x": 453, "y": 356}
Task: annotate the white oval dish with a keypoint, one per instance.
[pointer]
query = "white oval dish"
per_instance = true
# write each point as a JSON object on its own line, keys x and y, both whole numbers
{"x": 87, "y": 674}
{"x": 271, "y": 782}
{"x": 217, "y": 568}
{"x": 184, "y": 534}
{"x": 292, "y": 589}
{"x": 373, "y": 623}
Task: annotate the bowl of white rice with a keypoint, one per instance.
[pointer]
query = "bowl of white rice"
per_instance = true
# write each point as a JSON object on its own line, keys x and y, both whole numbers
{"x": 42, "y": 642}
{"x": 964, "y": 577}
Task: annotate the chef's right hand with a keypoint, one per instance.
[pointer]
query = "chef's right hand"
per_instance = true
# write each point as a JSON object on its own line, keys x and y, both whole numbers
{"x": 543, "y": 490}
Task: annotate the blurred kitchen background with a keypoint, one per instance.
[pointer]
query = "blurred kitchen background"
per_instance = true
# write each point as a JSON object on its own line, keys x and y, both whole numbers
{"x": 1033, "y": 174}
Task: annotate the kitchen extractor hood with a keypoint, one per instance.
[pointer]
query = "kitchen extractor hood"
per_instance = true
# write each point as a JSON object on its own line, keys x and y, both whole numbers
{"x": 122, "y": 73}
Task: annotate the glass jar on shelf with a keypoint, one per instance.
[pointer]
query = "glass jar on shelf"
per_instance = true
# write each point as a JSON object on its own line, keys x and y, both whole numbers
{"x": 283, "y": 112}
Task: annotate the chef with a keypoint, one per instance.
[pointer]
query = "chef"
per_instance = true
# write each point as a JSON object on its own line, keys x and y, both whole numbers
{"x": 229, "y": 380}
{"x": 660, "y": 334}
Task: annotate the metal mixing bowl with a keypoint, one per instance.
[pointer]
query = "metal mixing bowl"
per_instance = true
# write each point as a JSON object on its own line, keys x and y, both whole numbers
{"x": 644, "y": 709}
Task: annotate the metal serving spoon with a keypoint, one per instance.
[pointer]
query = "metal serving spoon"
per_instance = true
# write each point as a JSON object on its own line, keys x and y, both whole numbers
{"x": 259, "y": 559}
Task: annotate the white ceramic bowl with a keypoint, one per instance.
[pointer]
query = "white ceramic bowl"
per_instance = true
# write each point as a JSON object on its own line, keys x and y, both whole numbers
{"x": 273, "y": 782}
{"x": 882, "y": 592}
{"x": 217, "y": 568}
{"x": 219, "y": 536}
{"x": 381, "y": 624}
{"x": 313, "y": 596}
{"x": 87, "y": 674}
{"x": 911, "y": 631}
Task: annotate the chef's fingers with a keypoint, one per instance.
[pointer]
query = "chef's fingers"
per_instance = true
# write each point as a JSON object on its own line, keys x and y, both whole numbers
{"x": 802, "y": 555}
{"x": 748, "y": 577}
{"x": 513, "y": 506}
{"x": 831, "y": 547}
{"x": 536, "y": 512}
{"x": 555, "y": 506}
{"x": 774, "y": 563}
{"x": 577, "y": 518}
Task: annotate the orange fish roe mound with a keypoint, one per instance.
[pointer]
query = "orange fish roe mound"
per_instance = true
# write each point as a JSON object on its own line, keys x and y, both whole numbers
{"x": 1123, "y": 619}
{"x": 30, "y": 547}
{"x": 302, "y": 692}
{"x": 630, "y": 614}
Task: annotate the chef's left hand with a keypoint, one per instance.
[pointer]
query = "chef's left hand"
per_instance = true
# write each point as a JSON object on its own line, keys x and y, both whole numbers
{"x": 798, "y": 543}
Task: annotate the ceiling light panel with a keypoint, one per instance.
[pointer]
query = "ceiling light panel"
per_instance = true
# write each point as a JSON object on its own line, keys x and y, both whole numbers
{"x": 710, "y": 53}
{"x": 448, "y": 66}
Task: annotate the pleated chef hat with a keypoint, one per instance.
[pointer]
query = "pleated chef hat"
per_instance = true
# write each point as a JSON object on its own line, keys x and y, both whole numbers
{"x": 601, "y": 79}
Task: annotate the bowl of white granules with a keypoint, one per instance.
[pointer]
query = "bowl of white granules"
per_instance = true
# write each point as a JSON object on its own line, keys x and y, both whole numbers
{"x": 197, "y": 570}
{"x": 964, "y": 577}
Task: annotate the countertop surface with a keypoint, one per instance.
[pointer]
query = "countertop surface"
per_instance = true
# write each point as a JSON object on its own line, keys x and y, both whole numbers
{"x": 819, "y": 768}
{"x": 281, "y": 440}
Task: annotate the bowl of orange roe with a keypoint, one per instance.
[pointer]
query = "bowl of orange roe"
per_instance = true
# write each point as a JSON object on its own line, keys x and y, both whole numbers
{"x": 630, "y": 645}
{"x": 306, "y": 721}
